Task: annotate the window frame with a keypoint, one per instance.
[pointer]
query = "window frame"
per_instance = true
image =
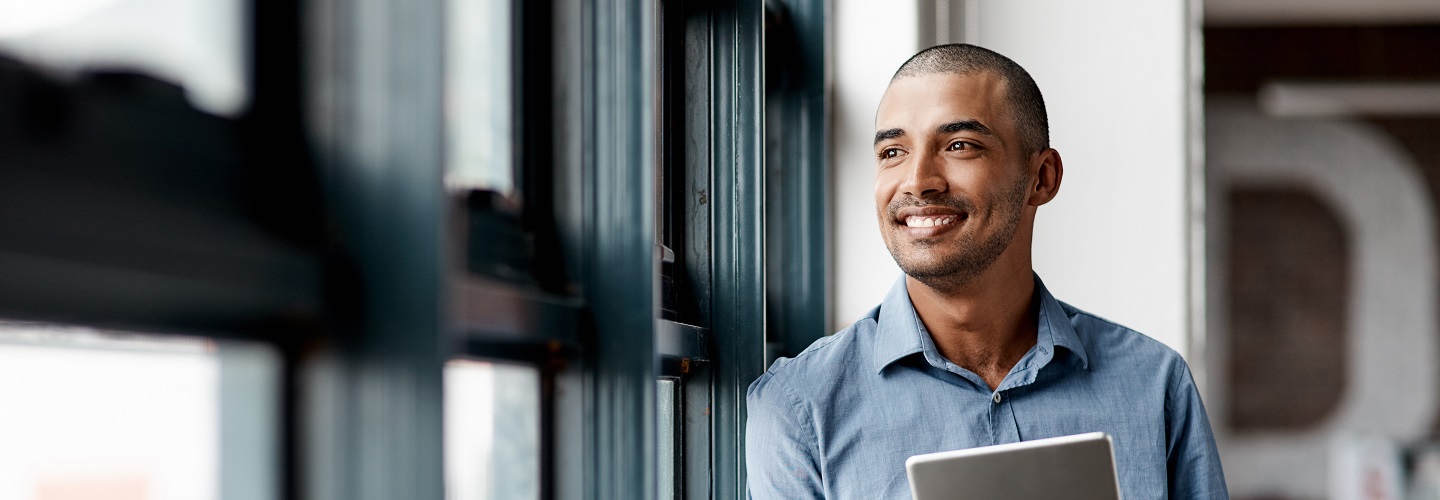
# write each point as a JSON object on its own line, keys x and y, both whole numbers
{"x": 363, "y": 287}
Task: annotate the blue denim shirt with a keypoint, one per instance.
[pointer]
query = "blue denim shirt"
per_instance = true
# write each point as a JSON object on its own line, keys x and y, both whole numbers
{"x": 839, "y": 420}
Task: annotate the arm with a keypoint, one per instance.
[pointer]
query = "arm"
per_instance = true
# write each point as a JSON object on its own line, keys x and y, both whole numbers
{"x": 1193, "y": 461}
{"x": 781, "y": 454}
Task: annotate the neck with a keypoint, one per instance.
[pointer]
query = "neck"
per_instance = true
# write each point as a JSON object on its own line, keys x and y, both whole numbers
{"x": 988, "y": 324}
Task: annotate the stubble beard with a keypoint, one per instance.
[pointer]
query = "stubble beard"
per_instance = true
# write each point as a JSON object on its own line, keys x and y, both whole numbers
{"x": 975, "y": 254}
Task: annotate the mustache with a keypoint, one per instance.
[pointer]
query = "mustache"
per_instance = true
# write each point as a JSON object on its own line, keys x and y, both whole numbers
{"x": 959, "y": 203}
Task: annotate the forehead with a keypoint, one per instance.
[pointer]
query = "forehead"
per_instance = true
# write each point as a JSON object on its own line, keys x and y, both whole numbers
{"x": 916, "y": 103}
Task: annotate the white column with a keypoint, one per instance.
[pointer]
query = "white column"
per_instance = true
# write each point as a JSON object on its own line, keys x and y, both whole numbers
{"x": 1115, "y": 78}
{"x": 871, "y": 40}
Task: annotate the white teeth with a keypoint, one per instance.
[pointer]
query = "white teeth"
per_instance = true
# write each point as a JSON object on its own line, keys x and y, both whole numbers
{"x": 922, "y": 221}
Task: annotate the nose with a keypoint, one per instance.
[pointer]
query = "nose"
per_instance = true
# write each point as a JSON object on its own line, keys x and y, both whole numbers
{"x": 924, "y": 176}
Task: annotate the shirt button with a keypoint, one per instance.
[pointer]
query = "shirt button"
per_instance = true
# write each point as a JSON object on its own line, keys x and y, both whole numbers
{"x": 996, "y": 398}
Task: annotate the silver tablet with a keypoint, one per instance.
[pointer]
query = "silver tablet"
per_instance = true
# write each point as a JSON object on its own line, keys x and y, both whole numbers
{"x": 1078, "y": 467}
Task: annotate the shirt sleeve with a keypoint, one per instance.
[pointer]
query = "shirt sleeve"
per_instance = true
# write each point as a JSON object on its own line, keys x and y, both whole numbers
{"x": 1193, "y": 461}
{"x": 781, "y": 459}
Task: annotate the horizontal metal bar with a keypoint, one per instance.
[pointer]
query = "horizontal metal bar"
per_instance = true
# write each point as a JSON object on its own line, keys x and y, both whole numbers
{"x": 552, "y": 354}
{"x": 681, "y": 341}
{"x": 502, "y": 319}
{"x": 123, "y": 207}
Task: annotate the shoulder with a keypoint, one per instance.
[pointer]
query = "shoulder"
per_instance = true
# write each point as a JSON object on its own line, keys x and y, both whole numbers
{"x": 823, "y": 364}
{"x": 1108, "y": 342}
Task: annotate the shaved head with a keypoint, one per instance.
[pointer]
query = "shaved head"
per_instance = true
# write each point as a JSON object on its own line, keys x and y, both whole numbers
{"x": 1022, "y": 96}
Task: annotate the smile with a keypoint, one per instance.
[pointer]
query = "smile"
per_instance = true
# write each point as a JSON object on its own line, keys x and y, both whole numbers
{"x": 929, "y": 221}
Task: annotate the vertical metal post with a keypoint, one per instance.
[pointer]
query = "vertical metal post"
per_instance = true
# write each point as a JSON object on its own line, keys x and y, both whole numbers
{"x": 620, "y": 276}
{"x": 798, "y": 222}
{"x": 373, "y": 395}
{"x": 738, "y": 231}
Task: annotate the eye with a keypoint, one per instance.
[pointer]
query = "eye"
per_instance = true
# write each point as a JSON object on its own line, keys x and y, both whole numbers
{"x": 959, "y": 146}
{"x": 888, "y": 153}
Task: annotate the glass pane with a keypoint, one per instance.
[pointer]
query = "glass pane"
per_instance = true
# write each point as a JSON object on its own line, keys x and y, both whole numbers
{"x": 667, "y": 402}
{"x": 477, "y": 96}
{"x": 91, "y": 415}
{"x": 492, "y": 431}
{"x": 198, "y": 44}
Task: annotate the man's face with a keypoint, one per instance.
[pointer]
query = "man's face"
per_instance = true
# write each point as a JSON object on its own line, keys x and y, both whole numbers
{"x": 951, "y": 180}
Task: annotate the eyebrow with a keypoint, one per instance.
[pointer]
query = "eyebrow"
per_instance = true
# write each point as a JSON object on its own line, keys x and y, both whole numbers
{"x": 948, "y": 128}
{"x": 965, "y": 125}
{"x": 888, "y": 134}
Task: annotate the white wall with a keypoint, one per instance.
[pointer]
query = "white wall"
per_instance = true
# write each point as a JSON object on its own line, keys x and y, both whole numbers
{"x": 864, "y": 57}
{"x": 1115, "y": 76}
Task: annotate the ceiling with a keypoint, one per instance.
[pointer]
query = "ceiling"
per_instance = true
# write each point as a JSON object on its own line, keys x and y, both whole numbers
{"x": 1320, "y": 12}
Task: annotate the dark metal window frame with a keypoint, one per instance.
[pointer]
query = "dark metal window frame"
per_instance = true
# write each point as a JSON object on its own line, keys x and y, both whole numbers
{"x": 338, "y": 176}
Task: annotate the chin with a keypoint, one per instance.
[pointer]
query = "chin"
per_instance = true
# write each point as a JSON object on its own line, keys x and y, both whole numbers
{"x": 926, "y": 265}
{"x": 951, "y": 282}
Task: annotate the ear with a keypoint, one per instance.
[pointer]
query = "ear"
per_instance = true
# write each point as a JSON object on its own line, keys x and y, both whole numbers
{"x": 1046, "y": 170}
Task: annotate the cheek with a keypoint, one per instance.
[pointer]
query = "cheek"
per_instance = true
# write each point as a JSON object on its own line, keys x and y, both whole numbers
{"x": 884, "y": 190}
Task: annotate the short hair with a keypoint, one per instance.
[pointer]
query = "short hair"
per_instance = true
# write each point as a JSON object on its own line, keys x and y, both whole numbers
{"x": 1023, "y": 96}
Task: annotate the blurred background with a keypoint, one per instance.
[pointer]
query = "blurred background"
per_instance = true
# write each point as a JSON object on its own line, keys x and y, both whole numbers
{"x": 508, "y": 249}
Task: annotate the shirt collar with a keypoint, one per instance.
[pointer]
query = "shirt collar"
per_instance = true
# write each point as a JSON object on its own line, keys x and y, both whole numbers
{"x": 899, "y": 332}
{"x": 1054, "y": 319}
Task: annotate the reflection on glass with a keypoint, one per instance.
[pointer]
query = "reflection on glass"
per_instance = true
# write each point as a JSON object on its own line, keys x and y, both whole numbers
{"x": 195, "y": 43}
{"x": 477, "y": 95}
{"x": 667, "y": 404}
{"x": 89, "y": 415}
{"x": 492, "y": 431}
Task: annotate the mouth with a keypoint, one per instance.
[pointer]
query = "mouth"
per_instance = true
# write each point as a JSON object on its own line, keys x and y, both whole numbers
{"x": 927, "y": 222}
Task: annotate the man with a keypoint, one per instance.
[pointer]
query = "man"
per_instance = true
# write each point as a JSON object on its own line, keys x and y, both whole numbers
{"x": 968, "y": 348}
